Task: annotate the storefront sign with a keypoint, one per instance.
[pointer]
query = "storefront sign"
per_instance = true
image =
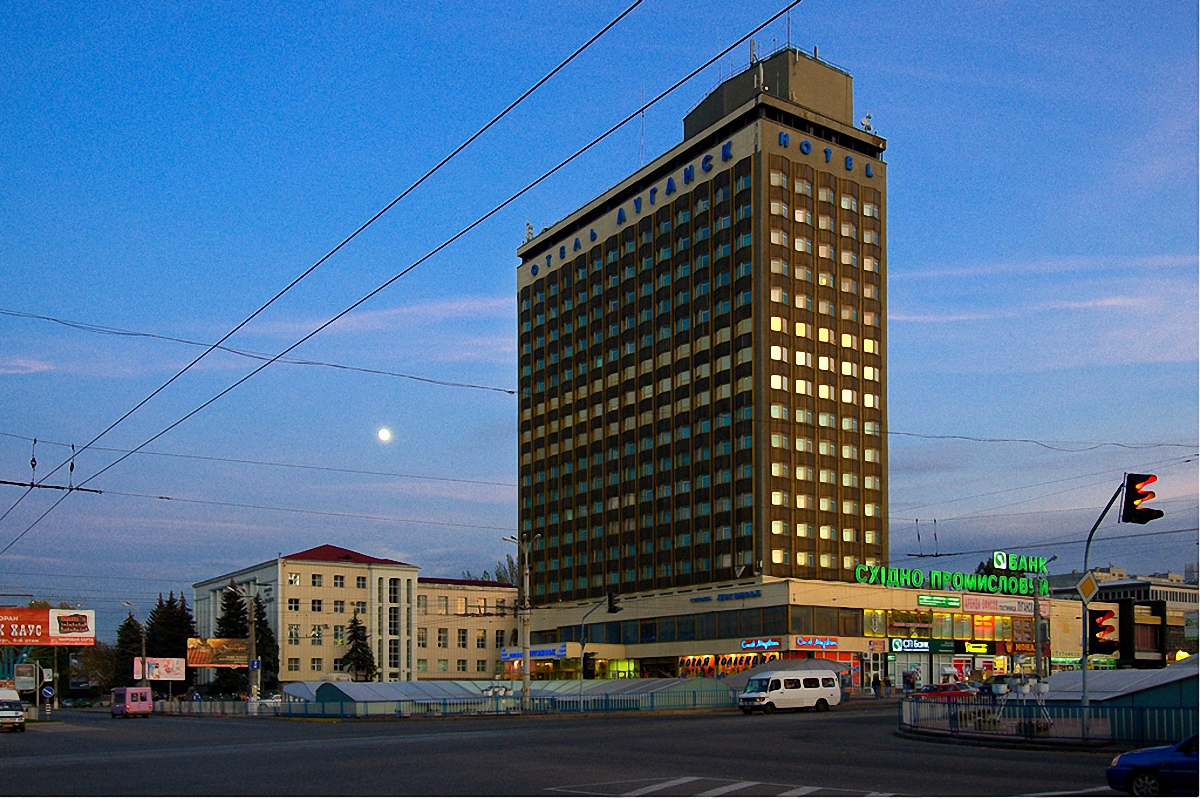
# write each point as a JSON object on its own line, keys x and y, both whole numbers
{"x": 539, "y": 653}
{"x": 948, "y": 581}
{"x": 938, "y": 601}
{"x": 727, "y": 597}
{"x": 876, "y": 646}
{"x": 1011, "y": 561}
{"x": 761, "y": 644}
{"x": 1016, "y": 648}
{"x": 816, "y": 642}
{"x": 974, "y": 603}
{"x": 910, "y": 644}
{"x": 974, "y": 648}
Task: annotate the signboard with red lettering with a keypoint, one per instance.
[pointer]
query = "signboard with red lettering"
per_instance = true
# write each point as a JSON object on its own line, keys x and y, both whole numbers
{"x": 47, "y": 627}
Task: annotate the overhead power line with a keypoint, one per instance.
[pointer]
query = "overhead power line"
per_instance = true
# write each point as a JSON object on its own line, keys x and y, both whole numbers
{"x": 258, "y": 356}
{"x": 333, "y": 251}
{"x": 1086, "y": 446}
{"x": 1052, "y": 543}
{"x": 277, "y": 464}
{"x": 431, "y": 253}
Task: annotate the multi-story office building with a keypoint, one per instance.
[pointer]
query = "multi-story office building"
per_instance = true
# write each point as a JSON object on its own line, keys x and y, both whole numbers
{"x": 462, "y": 626}
{"x": 703, "y": 353}
{"x": 310, "y": 598}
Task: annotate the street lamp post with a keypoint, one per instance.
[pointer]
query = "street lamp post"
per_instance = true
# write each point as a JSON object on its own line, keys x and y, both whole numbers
{"x": 524, "y": 609}
{"x": 251, "y": 654}
{"x": 141, "y": 624}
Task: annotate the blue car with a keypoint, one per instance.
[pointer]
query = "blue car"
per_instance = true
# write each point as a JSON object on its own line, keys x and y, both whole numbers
{"x": 1156, "y": 771}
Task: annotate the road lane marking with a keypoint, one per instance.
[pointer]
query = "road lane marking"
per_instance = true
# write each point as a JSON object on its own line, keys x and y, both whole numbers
{"x": 724, "y": 789}
{"x": 660, "y": 786}
{"x": 1076, "y": 792}
{"x": 803, "y": 790}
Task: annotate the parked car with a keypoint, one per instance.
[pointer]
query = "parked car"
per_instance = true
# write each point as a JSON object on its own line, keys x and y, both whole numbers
{"x": 1157, "y": 770}
{"x": 944, "y": 691}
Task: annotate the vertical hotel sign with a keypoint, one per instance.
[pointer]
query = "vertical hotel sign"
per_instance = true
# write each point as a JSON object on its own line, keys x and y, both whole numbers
{"x": 47, "y": 627}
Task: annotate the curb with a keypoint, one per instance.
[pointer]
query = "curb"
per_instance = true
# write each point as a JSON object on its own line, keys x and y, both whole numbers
{"x": 1059, "y": 745}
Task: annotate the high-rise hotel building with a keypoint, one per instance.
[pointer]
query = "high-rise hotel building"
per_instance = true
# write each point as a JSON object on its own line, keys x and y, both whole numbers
{"x": 702, "y": 353}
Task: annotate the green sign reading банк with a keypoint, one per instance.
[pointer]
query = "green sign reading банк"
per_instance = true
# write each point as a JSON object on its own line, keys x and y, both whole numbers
{"x": 949, "y": 581}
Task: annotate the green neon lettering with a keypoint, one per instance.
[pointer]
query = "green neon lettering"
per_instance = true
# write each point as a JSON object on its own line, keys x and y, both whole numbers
{"x": 918, "y": 578}
{"x": 957, "y": 579}
{"x": 905, "y": 578}
{"x": 874, "y": 575}
{"x": 1023, "y": 585}
{"x": 992, "y": 583}
{"x": 892, "y": 576}
{"x": 1044, "y": 587}
{"x": 970, "y": 581}
{"x": 859, "y": 573}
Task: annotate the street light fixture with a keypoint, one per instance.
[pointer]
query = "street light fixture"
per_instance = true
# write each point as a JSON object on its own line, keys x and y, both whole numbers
{"x": 145, "y": 682}
{"x": 524, "y": 609}
{"x": 254, "y": 674}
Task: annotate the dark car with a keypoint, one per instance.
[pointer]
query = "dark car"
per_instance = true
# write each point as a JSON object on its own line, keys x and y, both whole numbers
{"x": 1156, "y": 771}
{"x": 944, "y": 691}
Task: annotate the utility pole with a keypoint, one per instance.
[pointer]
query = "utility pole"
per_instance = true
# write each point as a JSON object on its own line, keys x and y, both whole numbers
{"x": 254, "y": 675}
{"x": 525, "y": 606}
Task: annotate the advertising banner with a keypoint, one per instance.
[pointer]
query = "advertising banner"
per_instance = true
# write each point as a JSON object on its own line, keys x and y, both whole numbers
{"x": 221, "y": 653}
{"x": 47, "y": 627}
{"x": 160, "y": 668}
{"x": 816, "y": 642}
{"x": 974, "y": 603}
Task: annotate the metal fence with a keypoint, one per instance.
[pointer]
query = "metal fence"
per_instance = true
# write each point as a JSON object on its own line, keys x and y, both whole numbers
{"x": 985, "y": 717}
{"x": 469, "y": 706}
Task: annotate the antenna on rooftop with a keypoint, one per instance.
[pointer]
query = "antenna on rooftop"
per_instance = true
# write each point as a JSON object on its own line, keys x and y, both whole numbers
{"x": 789, "y": 29}
{"x": 866, "y": 124}
{"x": 753, "y": 54}
{"x": 528, "y": 231}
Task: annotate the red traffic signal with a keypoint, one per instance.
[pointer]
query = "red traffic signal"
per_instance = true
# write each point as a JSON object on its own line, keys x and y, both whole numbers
{"x": 1136, "y": 496}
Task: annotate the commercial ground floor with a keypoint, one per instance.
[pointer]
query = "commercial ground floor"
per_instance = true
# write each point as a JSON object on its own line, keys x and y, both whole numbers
{"x": 905, "y": 637}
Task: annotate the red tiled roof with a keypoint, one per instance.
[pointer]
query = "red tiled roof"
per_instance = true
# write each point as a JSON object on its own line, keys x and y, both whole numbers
{"x": 453, "y": 581}
{"x": 328, "y": 553}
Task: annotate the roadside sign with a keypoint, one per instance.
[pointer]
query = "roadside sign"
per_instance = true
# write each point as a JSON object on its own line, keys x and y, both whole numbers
{"x": 47, "y": 691}
{"x": 1087, "y": 587}
{"x": 256, "y": 664}
{"x": 25, "y": 676}
{"x": 47, "y": 675}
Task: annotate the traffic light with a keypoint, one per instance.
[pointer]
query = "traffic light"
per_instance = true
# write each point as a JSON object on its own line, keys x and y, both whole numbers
{"x": 1135, "y": 496}
{"x": 589, "y": 665}
{"x": 614, "y": 601}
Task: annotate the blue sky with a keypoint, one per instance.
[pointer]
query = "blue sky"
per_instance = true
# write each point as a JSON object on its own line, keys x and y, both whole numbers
{"x": 167, "y": 168}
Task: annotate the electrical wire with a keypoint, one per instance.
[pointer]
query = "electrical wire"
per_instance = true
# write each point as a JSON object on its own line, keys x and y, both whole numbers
{"x": 278, "y": 464}
{"x": 1092, "y": 445}
{"x": 258, "y": 356}
{"x": 446, "y": 243}
{"x": 340, "y": 245}
{"x": 1049, "y": 544}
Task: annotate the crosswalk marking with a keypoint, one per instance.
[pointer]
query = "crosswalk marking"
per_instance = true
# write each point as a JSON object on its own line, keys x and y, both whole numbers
{"x": 659, "y": 786}
{"x": 803, "y": 790}
{"x": 724, "y": 789}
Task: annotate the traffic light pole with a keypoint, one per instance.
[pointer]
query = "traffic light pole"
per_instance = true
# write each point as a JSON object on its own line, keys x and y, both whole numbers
{"x": 1083, "y": 663}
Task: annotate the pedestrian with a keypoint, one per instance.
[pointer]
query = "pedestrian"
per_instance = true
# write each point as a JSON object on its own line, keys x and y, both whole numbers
{"x": 875, "y": 685}
{"x": 887, "y": 687}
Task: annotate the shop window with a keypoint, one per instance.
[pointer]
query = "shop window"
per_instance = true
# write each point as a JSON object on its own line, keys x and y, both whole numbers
{"x": 802, "y": 620}
{"x": 875, "y": 623}
{"x": 706, "y": 626}
{"x": 750, "y": 623}
{"x": 629, "y": 632}
{"x": 985, "y": 628}
{"x": 685, "y": 628}
{"x": 849, "y": 623}
{"x": 648, "y": 631}
{"x": 910, "y": 623}
{"x": 825, "y": 621}
{"x": 963, "y": 627}
{"x": 774, "y": 620}
{"x": 1004, "y": 628}
{"x": 943, "y": 626}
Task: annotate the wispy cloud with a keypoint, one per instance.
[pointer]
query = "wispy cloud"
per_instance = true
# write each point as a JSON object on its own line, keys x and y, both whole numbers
{"x": 1090, "y": 264}
{"x": 402, "y": 318}
{"x": 16, "y": 365}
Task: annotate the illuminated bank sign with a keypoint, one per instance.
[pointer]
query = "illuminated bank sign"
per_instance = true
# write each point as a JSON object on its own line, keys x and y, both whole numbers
{"x": 761, "y": 644}
{"x": 938, "y": 580}
{"x": 910, "y": 645}
{"x": 1018, "y": 563}
{"x": 816, "y": 642}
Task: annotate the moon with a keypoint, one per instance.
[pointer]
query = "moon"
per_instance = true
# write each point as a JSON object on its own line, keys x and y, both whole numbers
{"x": 385, "y": 435}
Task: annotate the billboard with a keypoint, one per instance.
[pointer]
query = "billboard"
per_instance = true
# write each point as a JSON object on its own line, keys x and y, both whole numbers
{"x": 47, "y": 627}
{"x": 228, "y": 653}
{"x": 161, "y": 668}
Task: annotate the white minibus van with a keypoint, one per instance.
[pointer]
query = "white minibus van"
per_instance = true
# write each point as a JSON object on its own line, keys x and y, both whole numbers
{"x": 791, "y": 690}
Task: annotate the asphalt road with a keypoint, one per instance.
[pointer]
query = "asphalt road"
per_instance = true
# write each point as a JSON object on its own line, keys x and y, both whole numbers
{"x": 842, "y": 753}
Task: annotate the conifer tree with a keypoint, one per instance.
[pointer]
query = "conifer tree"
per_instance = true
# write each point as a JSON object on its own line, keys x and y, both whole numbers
{"x": 232, "y": 623}
{"x": 358, "y": 660}
{"x": 265, "y": 646}
{"x": 129, "y": 646}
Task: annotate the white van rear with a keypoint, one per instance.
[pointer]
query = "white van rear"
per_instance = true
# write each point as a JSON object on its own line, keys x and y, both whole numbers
{"x": 791, "y": 690}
